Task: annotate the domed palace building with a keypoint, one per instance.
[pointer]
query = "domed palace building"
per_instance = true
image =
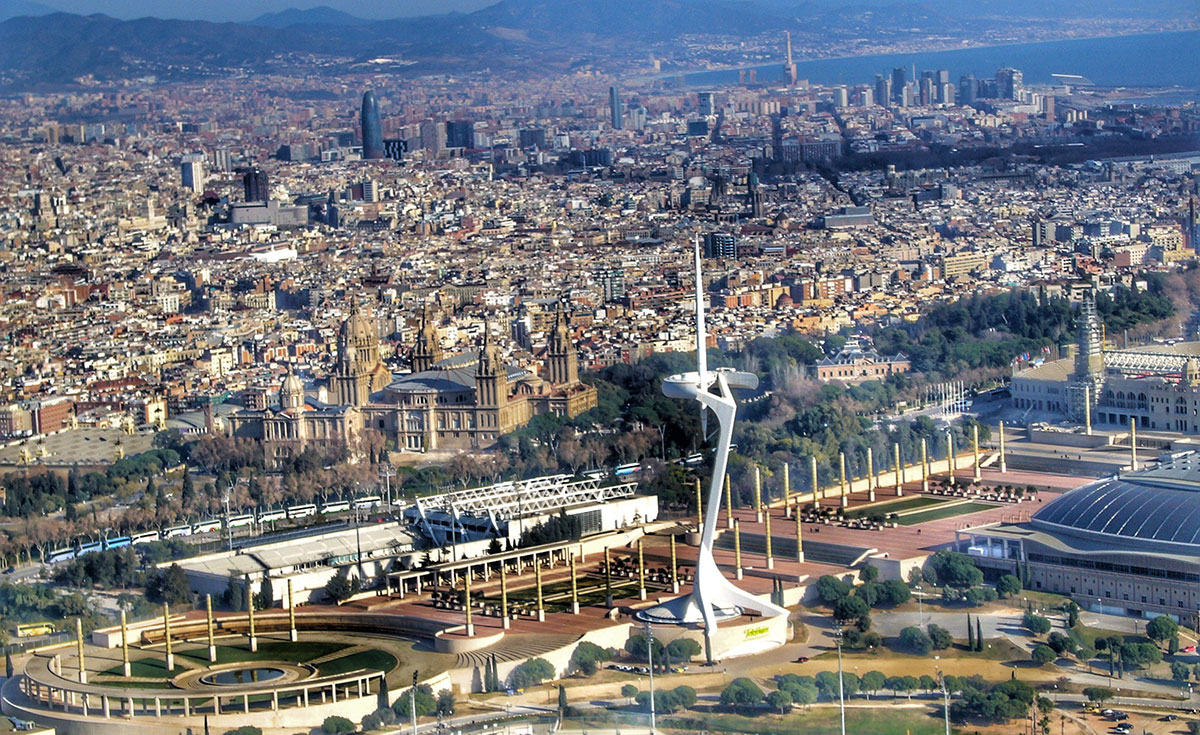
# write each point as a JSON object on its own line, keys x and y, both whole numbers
{"x": 457, "y": 402}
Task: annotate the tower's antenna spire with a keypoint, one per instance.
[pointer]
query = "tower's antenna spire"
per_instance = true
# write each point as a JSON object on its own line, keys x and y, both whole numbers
{"x": 701, "y": 337}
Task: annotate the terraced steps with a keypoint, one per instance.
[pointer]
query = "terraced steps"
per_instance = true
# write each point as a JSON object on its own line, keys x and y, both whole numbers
{"x": 516, "y": 648}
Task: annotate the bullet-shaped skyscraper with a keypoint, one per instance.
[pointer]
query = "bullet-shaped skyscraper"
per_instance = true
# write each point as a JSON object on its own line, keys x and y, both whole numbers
{"x": 372, "y": 129}
{"x": 615, "y": 109}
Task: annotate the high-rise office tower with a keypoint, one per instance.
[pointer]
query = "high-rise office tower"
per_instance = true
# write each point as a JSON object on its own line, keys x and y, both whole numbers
{"x": 899, "y": 82}
{"x": 222, "y": 160}
{"x": 883, "y": 90}
{"x": 617, "y": 117}
{"x": 191, "y": 172}
{"x": 967, "y": 90}
{"x": 720, "y": 245}
{"x": 372, "y": 129}
{"x": 841, "y": 97}
{"x": 460, "y": 134}
{"x": 789, "y": 67}
{"x": 533, "y": 137}
{"x": 708, "y": 103}
{"x": 925, "y": 88}
{"x": 256, "y": 185}
{"x": 433, "y": 137}
{"x": 1009, "y": 83}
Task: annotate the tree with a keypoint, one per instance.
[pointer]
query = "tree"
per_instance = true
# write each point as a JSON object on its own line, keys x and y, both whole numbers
{"x": 978, "y": 634}
{"x": 684, "y": 695}
{"x": 976, "y": 596}
{"x": 868, "y": 573}
{"x": 445, "y": 702}
{"x": 1061, "y": 644}
{"x": 1043, "y": 654}
{"x": 638, "y": 646}
{"x": 245, "y": 730}
{"x": 187, "y": 491}
{"x": 1161, "y": 629}
{"x": 1137, "y": 655}
{"x": 531, "y": 673}
{"x": 914, "y": 640}
{"x": 1008, "y": 586}
{"x": 955, "y": 569}
{"x": 940, "y": 637}
{"x": 421, "y": 697}
{"x": 831, "y": 589}
{"x": 850, "y": 608}
{"x": 683, "y": 649}
{"x": 970, "y": 635}
{"x": 169, "y": 585}
{"x": 629, "y": 691}
{"x": 234, "y": 595}
{"x": 906, "y": 684}
{"x": 870, "y": 592}
{"x": 338, "y": 588}
{"x": 334, "y": 725}
{"x": 1036, "y": 624}
{"x": 873, "y": 681}
{"x": 1098, "y": 694}
{"x": 8, "y": 664}
{"x": 741, "y": 692}
{"x": 562, "y": 701}
{"x": 780, "y": 701}
{"x": 587, "y": 657}
{"x": 894, "y": 592}
{"x": 1180, "y": 671}
{"x": 265, "y": 599}
{"x": 803, "y": 694}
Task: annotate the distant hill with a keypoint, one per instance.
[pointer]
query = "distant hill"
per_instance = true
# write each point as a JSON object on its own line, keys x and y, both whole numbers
{"x": 17, "y": 8}
{"x": 625, "y": 19}
{"x": 322, "y": 15}
{"x": 524, "y": 36}
{"x": 60, "y": 47}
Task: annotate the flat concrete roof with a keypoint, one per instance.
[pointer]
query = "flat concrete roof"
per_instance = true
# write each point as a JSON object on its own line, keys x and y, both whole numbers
{"x": 391, "y": 538}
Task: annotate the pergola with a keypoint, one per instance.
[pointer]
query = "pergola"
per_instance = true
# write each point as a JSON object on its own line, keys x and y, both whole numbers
{"x": 502, "y": 502}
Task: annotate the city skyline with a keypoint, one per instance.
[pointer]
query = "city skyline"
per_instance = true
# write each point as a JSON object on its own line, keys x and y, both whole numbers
{"x": 355, "y": 376}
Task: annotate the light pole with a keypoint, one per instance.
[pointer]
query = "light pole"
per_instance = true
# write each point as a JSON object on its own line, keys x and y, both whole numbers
{"x": 650, "y": 658}
{"x": 837, "y": 638}
{"x": 412, "y": 701}
{"x": 228, "y": 528}
{"x": 387, "y": 473}
{"x": 945, "y": 701}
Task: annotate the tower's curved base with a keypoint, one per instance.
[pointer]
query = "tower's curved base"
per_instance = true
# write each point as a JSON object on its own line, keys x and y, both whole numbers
{"x": 684, "y": 611}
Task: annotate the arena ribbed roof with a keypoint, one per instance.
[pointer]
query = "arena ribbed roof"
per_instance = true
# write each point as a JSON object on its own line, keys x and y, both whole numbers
{"x": 1159, "y": 506}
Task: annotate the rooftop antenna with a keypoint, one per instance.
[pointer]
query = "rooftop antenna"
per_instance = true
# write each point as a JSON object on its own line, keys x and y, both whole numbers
{"x": 701, "y": 337}
{"x": 714, "y": 598}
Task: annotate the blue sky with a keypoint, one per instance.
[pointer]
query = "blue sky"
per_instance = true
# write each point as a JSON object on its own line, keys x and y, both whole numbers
{"x": 218, "y": 10}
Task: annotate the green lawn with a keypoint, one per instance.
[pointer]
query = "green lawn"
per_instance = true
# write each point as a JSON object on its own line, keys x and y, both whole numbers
{"x": 297, "y": 653}
{"x": 821, "y": 721}
{"x": 936, "y": 514}
{"x": 378, "y": 660}
{"x": 150, "y": 668}
{"x": 919, "y": 501}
